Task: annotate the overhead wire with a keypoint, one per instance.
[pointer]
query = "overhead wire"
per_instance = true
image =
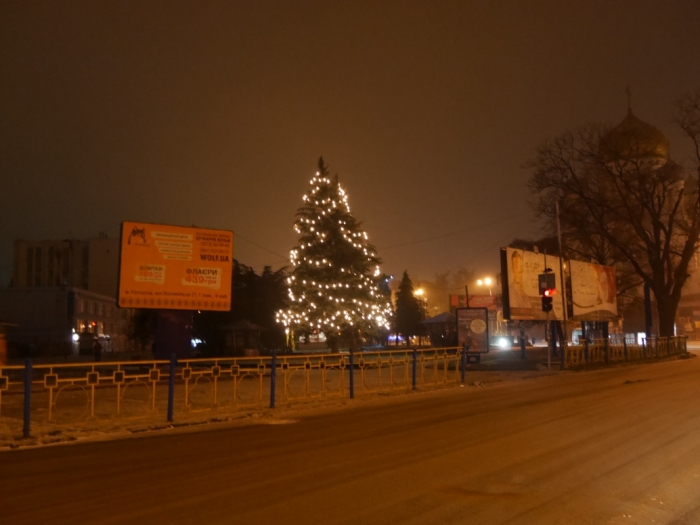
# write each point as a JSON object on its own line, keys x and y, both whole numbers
{"x": 466, "y": 230}
{"x": 283, "y": 258}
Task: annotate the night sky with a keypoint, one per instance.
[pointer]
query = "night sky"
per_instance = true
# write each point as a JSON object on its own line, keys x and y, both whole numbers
{"x": 215, "y": 113}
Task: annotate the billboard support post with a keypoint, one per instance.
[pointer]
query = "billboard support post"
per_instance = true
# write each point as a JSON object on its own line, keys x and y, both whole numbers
{"x": 171, "y": 386}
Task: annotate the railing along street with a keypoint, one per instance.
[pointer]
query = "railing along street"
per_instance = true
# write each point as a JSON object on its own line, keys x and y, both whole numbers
{"x": 54, "y": 396}
{"x": 621, "y": 349}
{"x": 69, "y": 394}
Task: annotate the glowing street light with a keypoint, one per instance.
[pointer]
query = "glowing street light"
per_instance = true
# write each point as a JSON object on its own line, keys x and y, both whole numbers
{"x": 486, "y": 281}
{"x": 422, "y": 299}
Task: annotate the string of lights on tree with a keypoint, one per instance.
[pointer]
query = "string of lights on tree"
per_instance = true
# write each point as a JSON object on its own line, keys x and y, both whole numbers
{"x": 334, "y": 284}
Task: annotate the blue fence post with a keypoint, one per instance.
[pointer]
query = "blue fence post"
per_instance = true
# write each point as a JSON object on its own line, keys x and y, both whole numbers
{"x": 463, "y": 362}
{"x": 352, "y": 375}
{"x": 27, "y": 397}
{"x": 415, "y": 368}
{"x": 171, "y": 387}
{"x": 273, "y": 379}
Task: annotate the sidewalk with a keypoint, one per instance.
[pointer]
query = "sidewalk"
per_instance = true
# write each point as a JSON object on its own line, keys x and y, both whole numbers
{"x": 108, "y": 357}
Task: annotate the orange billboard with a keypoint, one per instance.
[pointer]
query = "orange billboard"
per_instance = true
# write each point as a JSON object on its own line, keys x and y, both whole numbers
{"x": 173, "y": 267}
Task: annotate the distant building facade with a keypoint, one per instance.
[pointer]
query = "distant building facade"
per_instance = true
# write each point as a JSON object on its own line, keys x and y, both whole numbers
{"x": 91, "y": 264}
{"x": 49, "y": 319}
{"x": 61, "y": 289}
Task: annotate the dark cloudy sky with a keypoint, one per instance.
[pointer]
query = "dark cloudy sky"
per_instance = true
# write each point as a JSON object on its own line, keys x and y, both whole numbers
{"x": 215, "y": 113}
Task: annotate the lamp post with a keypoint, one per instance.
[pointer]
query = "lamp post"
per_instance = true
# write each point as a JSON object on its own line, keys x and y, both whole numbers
{"x": 487, "y": 281}
{"x": 420, "y": 295}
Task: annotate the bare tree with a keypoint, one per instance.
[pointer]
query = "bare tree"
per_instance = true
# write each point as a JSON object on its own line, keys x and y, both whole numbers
{"x": 623, "y": 202}
{"x": 688, "y": 119}
{"x": 462, "y": 277}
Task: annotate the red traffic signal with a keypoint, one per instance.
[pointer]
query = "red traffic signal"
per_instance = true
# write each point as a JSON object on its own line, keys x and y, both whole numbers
{"x": 547, "y": 284}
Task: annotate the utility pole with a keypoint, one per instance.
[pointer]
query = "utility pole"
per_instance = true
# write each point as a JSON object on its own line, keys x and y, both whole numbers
{"x": 563, "y": 293}
{"x": 647, "y": 311}
{"x": 547, "y": 306}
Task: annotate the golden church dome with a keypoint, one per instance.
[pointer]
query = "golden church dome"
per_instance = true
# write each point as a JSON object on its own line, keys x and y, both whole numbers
{"x": 634, "y": 139}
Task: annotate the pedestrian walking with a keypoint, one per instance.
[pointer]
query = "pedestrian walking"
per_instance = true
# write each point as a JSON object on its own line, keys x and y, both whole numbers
{"x": 97, "y": 349}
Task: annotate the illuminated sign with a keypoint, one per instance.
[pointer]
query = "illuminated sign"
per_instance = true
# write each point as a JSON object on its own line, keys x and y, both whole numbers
{"x": 592, "y": 288}
{"x": 594, "y": 291}
{"x": 473, "y": 329}
{"x": 172, "y": 267}
{"x": 522, "y": 297}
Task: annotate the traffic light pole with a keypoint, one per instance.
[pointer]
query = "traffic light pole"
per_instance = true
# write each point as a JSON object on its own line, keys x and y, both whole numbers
{"x": 553, "y": 337}
{"x": 549, "y": 347}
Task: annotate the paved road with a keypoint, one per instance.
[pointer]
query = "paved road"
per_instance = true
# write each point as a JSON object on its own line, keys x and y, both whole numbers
{"x": 616, "y": 446}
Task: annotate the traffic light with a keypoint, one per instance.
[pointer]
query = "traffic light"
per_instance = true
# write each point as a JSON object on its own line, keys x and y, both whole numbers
{"x": 548, "y": 288}
{"x": 548, "y": 298}
{"x": 547, "y": 303}
{"x": 547, "y": 282}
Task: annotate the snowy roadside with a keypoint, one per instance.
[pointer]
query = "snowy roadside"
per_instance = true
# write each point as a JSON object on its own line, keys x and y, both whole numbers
{"x": 44, "y": 435}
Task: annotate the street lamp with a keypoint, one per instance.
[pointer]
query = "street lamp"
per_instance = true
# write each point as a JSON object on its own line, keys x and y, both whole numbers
{"x": 423, "y": 302}
{"x": 486, "y": 281}
{"x": 420, "y": 295}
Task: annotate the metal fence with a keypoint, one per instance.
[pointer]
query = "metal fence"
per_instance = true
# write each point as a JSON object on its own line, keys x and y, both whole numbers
{"x": 48, "y": 396}
{"x": 621, "y": 349}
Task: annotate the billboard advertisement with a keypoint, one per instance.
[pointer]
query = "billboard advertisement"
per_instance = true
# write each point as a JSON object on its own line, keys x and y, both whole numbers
{"x": 593, "y": 291}
{"x": 521, "y": 296}
{"x": 473, "y": 329}
{"x": 174, "y": 267}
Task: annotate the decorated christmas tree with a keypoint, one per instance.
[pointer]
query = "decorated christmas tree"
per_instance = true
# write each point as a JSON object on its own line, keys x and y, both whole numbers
{"x": 333, "y": 287}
